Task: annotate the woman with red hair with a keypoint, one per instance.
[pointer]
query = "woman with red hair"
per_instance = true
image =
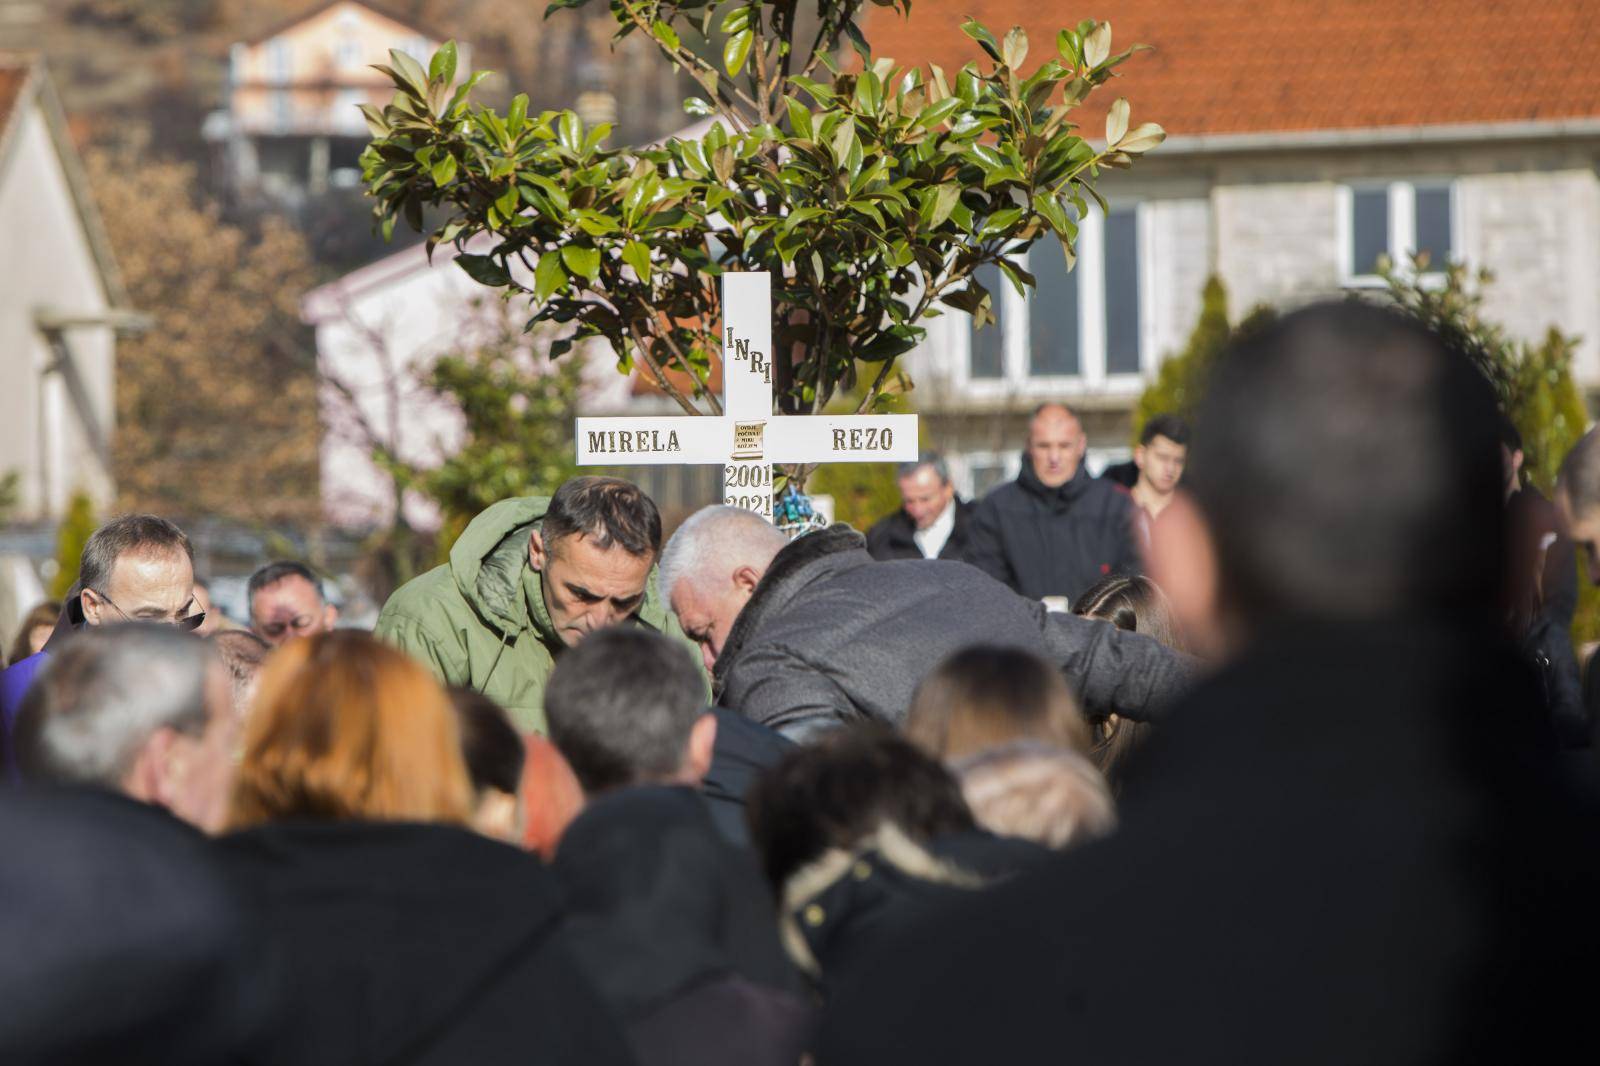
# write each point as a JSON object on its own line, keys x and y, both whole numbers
{"x": 397, "y": 934}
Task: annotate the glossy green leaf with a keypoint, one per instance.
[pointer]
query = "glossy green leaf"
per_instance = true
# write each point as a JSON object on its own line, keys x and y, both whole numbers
{"x": 484, "y": 270}
{"x": 548, "y": 276}
{"x": 443, "y": 170}
{"x": 972, "y": 28}
{"x": 584, "y": 262}
{"x": 665, "y": 34}
{"x": 443, "y": 66}
{"x": 799, "y": 117}
{"x": 411, "y": 72}
{"x": 637, "y": 255}
{"x": 736, "y": 49}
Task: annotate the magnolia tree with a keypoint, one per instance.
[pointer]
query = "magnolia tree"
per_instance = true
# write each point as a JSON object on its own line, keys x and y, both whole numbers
{"x": 871, "y": 194}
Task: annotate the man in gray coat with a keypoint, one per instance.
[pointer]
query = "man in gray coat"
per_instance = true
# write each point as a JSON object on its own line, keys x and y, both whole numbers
{"x": 809, "y": 635}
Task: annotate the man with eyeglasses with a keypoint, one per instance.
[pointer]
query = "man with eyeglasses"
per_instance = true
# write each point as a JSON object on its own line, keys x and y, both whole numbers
{"x": 286, "y": 602}
{"x": 136, "y": 568}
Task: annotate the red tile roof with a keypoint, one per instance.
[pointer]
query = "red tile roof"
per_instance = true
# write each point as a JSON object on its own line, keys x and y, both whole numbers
{"x": 1257, "y": 66}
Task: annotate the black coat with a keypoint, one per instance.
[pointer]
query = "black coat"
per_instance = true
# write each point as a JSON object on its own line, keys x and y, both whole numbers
{"x": 830, "y": 636}
{"x": 417, "y": 944}
{"x": 120, "y": 940}
{"x": 893, "y": 537}
{"x": 856, "y": 902}
{"x": 743, "y": 751}
{"x": 1544, "y": 595}
{"x": 1054, "y": 542}
{"x": 1347, "y": 847}
{"x": 666, "y": 918}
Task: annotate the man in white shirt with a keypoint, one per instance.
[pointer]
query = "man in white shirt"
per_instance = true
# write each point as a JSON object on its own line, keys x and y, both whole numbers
{"x": 932, "y": 520}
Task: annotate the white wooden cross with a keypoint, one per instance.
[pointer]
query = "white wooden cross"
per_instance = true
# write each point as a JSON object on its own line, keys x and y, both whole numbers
{"x": 747, "y": 438}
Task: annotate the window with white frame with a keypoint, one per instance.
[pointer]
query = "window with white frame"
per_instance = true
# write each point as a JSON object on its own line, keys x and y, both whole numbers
{"x": 1084, "y": 326}
{"x": 1395, "y": 219}
{"x": 279, "y": 60}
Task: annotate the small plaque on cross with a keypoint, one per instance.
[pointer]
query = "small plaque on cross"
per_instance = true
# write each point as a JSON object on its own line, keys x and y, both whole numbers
{"x": 747, "y": 438}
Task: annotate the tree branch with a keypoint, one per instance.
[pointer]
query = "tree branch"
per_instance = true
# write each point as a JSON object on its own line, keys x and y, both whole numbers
{"x": 641, "y": 342}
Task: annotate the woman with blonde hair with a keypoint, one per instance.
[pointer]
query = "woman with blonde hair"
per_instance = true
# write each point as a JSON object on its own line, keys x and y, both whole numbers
{"x": 1006, "y": 724}
{"x": 982, "y": 697}
{"x": 394, "y": 932}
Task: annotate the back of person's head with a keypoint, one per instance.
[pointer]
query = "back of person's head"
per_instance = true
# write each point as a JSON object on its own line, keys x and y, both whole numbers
{"x": 983, "y": 696}
{"x": 1038, "y": 792}
{"x": 495, "y": 754}
{"x": 242, "y": 655}
{"x": 1131, "y": 602}
{"x": 346, "y": 727}
{"x": 136, "y": 708}
{"x": 1345, "y": 466}
{"x": 129, "y": 534}
{"x": 1173, "y": 427}
{"x": 608, "y": 511}
{"x": 627, "y": 707}
{"x": 838, "y": 791}
{"x": 101, "y": 697}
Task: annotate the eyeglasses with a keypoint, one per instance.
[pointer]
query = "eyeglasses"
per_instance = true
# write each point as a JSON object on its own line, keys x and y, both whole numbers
{"x": 187, "y": 623}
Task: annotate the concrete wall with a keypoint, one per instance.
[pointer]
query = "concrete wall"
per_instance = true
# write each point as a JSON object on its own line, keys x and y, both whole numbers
{"x": 1528, "y": 211}
{"x": 48, "y": 264}
{"x": 1277, "y": 243}
{"x": 1539, "y": 232}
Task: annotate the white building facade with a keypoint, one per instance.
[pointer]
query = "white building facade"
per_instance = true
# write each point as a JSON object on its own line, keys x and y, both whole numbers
{"x": 61, "y": 303}
{"x": 1282, "y": 219}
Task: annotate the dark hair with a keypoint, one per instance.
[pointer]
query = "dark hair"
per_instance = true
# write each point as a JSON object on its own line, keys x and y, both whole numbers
{"x": 241, "y": 652}
{"x": 280, "y": 570}
{"x": 1132, "y": 602}
{"x": 621, "y": 705}
{"x": 1169, "y": 426}
{"x": 607, "y": 510}
{"x": 838, "y": 790}
{"x": 1136, "y": 604}
{"x": 981, "y": 697}
{"x": 1510, "y": 435}
{"x": 41, "y": 614}
{"x": 1347, "y": 464}
{"x": 142, "y": 534}
{"x": 489, "y": 742}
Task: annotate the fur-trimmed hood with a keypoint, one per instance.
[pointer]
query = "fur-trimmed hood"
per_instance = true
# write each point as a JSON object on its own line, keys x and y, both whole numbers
{"x": 835, "y": 908}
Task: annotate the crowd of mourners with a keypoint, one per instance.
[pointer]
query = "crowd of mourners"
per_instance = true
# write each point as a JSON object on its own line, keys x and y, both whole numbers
{"x": 1270, "y": 746}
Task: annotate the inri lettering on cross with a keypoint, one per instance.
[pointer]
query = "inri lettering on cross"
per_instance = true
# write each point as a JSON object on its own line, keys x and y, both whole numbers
{"x": 747, "y": 438}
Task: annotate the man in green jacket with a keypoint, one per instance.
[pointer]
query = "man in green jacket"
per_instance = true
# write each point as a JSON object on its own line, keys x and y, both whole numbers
{"x": 529, "y": 577}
